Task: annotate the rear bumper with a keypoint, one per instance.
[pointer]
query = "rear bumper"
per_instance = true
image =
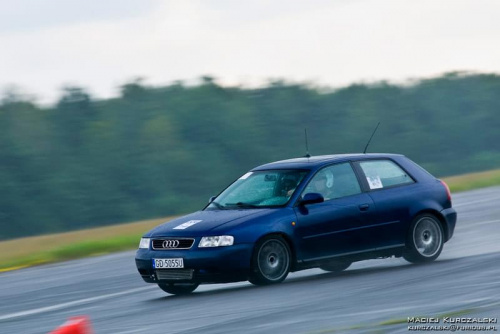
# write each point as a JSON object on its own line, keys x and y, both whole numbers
{"x": 450, "y": 217}
{"x": 207, "y": 265}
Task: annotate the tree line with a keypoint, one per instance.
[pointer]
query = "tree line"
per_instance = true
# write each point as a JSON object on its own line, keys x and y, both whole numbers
{"x": 160, "y": 151}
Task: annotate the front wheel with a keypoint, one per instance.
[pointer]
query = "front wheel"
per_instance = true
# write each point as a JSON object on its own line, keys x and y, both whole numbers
{"x": 271, "y": 261}
{"x": 178, "y": 288}
{"x": 425, "y": 239}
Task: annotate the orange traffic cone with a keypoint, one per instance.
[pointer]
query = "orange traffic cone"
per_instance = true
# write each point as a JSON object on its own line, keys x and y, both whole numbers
{"x": 74, "y": 325}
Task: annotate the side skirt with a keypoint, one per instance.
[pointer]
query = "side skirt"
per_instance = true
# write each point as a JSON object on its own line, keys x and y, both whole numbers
{"x": 375, "y": 253}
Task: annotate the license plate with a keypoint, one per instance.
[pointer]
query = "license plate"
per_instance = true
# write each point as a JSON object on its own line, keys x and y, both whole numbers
{"x": 168, "y": 263}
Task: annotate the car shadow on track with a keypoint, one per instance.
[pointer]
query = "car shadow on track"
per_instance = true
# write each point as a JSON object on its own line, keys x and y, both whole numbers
{"x": 231, "y": 288}
{"x": 354, "y": 272}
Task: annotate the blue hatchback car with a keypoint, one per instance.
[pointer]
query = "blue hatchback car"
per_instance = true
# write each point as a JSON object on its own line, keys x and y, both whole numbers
{"x": 322, "y": 211}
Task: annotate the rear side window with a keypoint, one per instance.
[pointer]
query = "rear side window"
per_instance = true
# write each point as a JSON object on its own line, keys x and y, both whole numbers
{"x": 384, "y": 173}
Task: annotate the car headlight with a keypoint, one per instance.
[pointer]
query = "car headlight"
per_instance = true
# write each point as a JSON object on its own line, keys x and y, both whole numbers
{"x": 144, "y": 243}
{"x": 218, "y": 241}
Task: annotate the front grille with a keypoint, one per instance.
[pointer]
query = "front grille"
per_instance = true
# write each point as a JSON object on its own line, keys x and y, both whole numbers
{"x": 172, "y": 243}
{"x": 174, "y": 274}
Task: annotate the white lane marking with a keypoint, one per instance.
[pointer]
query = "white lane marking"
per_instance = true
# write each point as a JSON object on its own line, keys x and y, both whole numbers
{"x": 471, "y": 285}
{"x": 472, "y": 225}
{"x": 476, "y": 202}
{"x": 487, "y": 222}
{"x": 445, "y": 303}
{"x": 140, "y": 330}
{"x": 380, "y": 311}
{"x": 70, "y": 304}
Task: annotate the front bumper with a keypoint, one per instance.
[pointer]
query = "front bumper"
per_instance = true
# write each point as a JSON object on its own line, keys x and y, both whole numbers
{"x": 450, "y": 216}
{"x": 206, "y": 265}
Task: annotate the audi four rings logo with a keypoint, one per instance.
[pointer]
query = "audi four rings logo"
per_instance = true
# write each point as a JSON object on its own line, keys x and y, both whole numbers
{"x": 170, "y": 243}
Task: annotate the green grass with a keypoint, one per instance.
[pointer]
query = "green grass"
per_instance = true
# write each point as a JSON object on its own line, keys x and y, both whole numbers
{"x": 31, "y": 251}
{"x": 74, "y": 251}
{"x": 95, "y": 247}
{"x": 473, "y": 181}
{"x": 382, "y": 326}
{"x": 23, "y": 252}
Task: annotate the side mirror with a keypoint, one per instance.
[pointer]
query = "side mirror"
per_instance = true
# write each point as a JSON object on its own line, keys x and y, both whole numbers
{"x": 211, "y": 199}
{"x": 312, "y": 198}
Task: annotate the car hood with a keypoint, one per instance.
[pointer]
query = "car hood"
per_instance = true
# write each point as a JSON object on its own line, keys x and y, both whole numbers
{"x": 200, "y": 222}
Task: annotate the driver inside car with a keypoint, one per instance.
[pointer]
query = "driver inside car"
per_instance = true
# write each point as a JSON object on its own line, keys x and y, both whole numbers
{"x": 322, "y": 184}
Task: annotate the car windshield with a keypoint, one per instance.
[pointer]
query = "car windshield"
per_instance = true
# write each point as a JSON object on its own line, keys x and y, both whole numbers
{"x": 258, "y": 189}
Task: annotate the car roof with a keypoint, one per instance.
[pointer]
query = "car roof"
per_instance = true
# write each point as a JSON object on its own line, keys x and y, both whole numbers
{"x": 314, "y": 162}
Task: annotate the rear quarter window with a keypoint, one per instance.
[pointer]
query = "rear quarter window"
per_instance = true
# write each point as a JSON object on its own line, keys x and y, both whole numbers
{"x": 384, "y": 173}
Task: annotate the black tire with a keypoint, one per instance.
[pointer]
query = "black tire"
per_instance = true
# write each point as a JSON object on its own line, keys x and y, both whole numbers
{"x": 425, "y": 239}
{"x": 336, "y": 266}
{"x": 178, "y": 288}
{"x": 271, "y": 261}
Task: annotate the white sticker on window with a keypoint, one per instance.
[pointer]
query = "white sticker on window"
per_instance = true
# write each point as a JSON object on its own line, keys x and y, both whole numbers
{"x": 246, "y": 176}
{"x": 185, "y": 225}
{"x": 374, "y": 182}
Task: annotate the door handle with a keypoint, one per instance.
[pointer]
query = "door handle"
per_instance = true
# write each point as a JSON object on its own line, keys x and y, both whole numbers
{"x": 364, "y": 207}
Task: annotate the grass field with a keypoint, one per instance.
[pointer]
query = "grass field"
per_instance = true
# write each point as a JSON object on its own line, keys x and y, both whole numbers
{"x": 30, "y": 251}
{"x": 473, "y": 180}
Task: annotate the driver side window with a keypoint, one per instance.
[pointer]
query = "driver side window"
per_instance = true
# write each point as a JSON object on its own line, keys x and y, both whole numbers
{"x": 334, "y": 182}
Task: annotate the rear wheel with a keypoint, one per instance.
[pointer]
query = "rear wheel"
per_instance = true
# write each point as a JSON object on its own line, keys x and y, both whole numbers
{"x": 425, "y": 239}
{"x": 271, "y": 261}
{"x": 178, "y": 288}
{"x": 336, "y": 266}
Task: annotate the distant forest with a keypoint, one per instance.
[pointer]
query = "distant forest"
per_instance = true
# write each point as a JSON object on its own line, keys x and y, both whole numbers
{"x": 160, "y": 151}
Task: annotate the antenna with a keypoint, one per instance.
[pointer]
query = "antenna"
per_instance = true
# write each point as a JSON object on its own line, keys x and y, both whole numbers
{"x": 307, "y": 146}
{"x": 369, "y": 140}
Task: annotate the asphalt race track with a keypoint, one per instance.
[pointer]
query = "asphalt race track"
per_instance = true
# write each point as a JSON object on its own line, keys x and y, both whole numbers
{"x": 371, "y": 296}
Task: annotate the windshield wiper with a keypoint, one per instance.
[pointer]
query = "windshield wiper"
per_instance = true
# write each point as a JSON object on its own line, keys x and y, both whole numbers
{"x": 243, "y": 205}
{"x": 218, "y": 205}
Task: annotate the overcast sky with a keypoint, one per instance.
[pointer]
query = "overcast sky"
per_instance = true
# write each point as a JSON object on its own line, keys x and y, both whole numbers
{"x": 99, "y": 45}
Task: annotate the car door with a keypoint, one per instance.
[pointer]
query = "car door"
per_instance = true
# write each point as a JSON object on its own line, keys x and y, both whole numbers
{"x": 337, "y": 225}
{"x": 392, "y": 190}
